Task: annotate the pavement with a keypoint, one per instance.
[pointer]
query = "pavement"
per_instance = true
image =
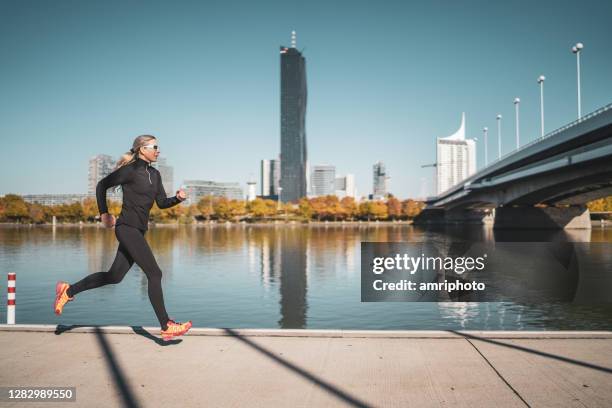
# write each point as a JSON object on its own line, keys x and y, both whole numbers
{"x": 131, "y": 366}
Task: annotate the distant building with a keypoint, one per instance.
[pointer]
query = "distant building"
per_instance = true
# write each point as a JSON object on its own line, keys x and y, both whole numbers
{"x": 345, "y": 186}
{"x": 251, "y": 190}
{"x": 323, "y": 180}
{"x": 380, "y": 177}
{"x": 456, "y": 158}
{"x": 293, "y": 156}
{"x": 101, "y": 166}
{"x": 54, "y": 199}
{"x": 167, "y": 175}
{"x": 198, "y": 189}
{"x": 270, "y": 177}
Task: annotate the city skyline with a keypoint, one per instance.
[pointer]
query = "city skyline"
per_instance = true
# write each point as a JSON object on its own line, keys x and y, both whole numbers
{"x": 382, "y": 90}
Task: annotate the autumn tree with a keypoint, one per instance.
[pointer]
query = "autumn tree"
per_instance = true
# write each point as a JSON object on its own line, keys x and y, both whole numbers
{"x": 90, "y": 209}
{"x": 394, "y": 208}
{"x": 14, "y": 208}
{"x": 305, "y": 208}
{"x": 206, "y": 206}
{"x": 412, "y": 208}
{"x": 260, "y": 208}
{"x": 349, "y": 207}
{"x": 601, "y": 205}
{"x": 37, "y": 213}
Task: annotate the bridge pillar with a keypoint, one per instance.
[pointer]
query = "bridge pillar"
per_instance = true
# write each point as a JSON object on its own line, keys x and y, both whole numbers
{"x": 572, "y": 217}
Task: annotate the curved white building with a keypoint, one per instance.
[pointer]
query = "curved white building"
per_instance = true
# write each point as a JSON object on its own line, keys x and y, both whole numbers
{"x": 455, "y": 158}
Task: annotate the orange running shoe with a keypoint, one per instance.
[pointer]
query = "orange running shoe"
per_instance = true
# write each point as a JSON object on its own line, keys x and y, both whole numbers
{"x": 61, "y": 297}
{"x": 175, "y": 329}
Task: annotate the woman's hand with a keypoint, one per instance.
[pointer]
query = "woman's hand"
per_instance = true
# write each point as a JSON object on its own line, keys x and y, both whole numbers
{"x": 181, "y": 195}
{"x": 108, "y": 220}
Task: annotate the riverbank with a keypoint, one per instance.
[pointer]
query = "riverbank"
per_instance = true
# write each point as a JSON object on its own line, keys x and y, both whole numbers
{"x": 130, "y": 366}
{"x": 594, "y": 224}
{"x": 228, "y": 223}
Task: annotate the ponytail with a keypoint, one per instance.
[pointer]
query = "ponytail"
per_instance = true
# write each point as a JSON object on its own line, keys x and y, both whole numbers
{"x": 125, "y": 158}
{"x": 130, "y": 156}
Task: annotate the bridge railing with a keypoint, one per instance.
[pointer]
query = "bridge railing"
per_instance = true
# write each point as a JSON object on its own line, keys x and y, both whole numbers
{"x": 554, "y": 132}
{"x": 525, "y": 146}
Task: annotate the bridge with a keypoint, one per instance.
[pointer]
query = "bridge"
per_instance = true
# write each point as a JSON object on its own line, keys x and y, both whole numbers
{"x": 543, "y": 184}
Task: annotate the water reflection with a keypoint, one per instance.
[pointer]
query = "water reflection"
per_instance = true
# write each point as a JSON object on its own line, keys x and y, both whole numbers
{"x": 300, "y": 276}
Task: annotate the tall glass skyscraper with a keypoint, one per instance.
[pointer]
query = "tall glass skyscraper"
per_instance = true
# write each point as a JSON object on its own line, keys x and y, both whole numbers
{"x": 293, "y": 156}
{"x": 380, "y": 178}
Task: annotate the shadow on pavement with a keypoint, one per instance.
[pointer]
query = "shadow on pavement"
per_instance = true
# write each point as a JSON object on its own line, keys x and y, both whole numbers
{"x": 353, "y": 401}
{"x": 141, "y": 331}
{"x": 137, "y": 329}
{"x": 536, "y": 352}
{"x": 129, "y": 399}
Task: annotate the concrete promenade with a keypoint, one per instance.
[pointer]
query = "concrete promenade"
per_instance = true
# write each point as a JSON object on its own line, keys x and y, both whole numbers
{"x": 131, "y": 366}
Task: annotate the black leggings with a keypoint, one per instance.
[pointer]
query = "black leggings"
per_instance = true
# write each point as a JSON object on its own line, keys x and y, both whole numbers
{"x": 132, "y": 248}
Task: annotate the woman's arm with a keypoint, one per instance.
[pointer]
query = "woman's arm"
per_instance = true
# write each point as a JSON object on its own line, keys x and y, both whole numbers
{"x": 161, "y": 199}
{"x": 120, "y": 176}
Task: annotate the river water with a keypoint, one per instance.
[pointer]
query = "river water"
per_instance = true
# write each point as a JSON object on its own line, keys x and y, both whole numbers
{"x": 245, "y": 276}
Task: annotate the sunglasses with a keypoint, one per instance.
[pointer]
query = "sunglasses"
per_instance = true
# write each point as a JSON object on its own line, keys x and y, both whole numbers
{"x": 154, "y": 147}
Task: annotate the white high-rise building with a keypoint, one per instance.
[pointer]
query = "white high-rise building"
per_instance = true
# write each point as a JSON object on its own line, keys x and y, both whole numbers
{"x": 345, "y": 186}
{"x": 323, "y": 180}
{"x": 101, "y": 166}
{"x": 251, "y": 188}
{"x": 456, "y": 158}
{"x": 167, "y": 175}
{"x": 270, "y": 177}
{"x": 198, "y": 189}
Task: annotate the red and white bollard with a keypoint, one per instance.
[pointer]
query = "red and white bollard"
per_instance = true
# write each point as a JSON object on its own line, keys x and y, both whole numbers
{"x": 10, "y": 303}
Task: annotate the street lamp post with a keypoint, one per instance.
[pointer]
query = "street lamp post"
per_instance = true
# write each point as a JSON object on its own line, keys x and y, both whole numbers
{"x": 576, "y": 50}
{"x": 517, "y": 101}
{"x": 475, "y": 139}
{"x": 485, "y": 130}
{"x": 541, "y": 80}
{"x": 278, "y": 199}
{"x": 499, "y": 118}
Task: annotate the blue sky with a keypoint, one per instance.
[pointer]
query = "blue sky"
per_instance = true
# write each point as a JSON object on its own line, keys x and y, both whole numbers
{"x": 79, "y": 78}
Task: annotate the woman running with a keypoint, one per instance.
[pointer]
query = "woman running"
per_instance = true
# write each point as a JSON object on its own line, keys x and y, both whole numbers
{"x": 141, "y": 184}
